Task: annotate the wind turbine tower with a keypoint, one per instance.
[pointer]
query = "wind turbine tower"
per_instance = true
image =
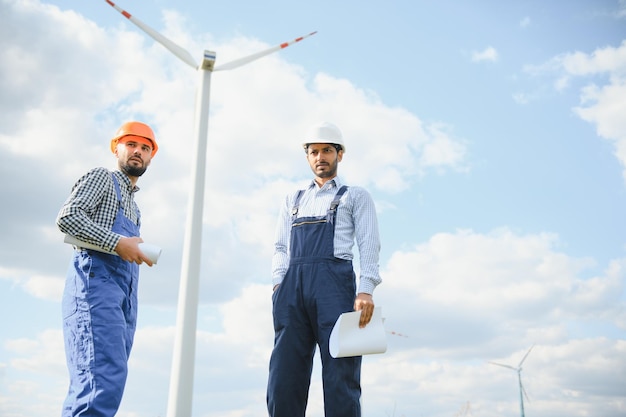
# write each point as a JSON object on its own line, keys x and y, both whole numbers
{"x": 522, "y": 391}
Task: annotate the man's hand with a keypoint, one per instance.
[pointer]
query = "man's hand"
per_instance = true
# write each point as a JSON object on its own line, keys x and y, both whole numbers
{"x": 128, "y": 249}
{"x": 365, "y": 303}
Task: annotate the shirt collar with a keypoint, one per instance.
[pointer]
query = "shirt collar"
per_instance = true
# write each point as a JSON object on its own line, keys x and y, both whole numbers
{"x": 125, "y": 181}
{"x": 334, "y": 183}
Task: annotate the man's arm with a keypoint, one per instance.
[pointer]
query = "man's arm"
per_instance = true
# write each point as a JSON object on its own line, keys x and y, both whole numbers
{"x": 368, "y": 242}
{"x": 280, "y": 260}
{"x": 76, "y": 217}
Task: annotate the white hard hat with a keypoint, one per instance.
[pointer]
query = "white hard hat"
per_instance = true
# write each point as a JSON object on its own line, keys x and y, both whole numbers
{"x": 324, "y": 132}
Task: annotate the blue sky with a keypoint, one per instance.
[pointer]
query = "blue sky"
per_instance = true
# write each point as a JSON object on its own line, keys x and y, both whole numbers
{"x": 490, "y": 134}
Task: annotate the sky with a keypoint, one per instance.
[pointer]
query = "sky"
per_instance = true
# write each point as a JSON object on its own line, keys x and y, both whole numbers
{"x": 491, "y": 135}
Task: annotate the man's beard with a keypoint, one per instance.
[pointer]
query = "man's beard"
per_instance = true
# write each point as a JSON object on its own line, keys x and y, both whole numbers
{"x": 331, "y": 172}
{"x": 328, "y": 174}
{"x": 132, "y": 171}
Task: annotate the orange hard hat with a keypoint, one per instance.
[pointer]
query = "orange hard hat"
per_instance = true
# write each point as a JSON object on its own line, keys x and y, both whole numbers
{"x": 135, "y": 129}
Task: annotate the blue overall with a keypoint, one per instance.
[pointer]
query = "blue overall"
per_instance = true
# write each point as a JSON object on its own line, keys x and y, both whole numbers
{"x": 316, "y": 289}
{"x": 99, "y": 319}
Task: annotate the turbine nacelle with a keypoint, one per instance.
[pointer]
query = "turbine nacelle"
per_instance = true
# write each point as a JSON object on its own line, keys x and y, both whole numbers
{"x": 208, "y": 61}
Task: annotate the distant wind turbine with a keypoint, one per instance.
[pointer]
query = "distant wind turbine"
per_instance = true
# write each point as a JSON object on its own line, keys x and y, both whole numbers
{"x": 181, "y": 384}
{"x": 465, "y": 410}
{"x": 522, "y": 391}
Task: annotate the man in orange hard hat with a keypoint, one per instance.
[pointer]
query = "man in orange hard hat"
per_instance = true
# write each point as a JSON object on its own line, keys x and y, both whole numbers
{"x": 100, "y": 297}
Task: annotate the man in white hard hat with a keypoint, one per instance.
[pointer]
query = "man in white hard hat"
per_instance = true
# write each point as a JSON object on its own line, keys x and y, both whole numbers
{"x": 314, "y": 281}
{"x": 100, "y": 297}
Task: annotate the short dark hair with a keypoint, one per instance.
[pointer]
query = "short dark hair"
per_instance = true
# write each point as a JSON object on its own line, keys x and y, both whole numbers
{"x": 336, "y": 145}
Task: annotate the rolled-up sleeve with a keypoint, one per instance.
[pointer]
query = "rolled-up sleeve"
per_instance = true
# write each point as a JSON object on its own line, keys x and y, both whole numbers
{"x": 280, "y": 260}
{"x": 367, "y": 239}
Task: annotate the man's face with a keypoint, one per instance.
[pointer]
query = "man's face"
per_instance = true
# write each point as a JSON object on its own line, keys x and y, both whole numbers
{"x": 323, "y": 159}
{"x": 134, "y": 155}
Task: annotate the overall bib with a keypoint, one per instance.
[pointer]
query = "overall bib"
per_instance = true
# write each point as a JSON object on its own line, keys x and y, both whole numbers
{"x": 317, "y": 288}
{"x": 99, "y": 319}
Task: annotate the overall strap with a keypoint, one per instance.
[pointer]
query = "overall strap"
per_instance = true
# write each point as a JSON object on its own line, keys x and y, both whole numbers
{"x": 333, "y": 205}
{"x": 119, "y": 200}
{"x": 340, "y": 193}
{"x": 332, "y": 210}
{"x": 117, "y": 189}
{"x": 296, "y": 204}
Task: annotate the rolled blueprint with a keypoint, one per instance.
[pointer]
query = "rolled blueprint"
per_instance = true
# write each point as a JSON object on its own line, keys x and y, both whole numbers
{"x": 348, "y": 339}
{"x": 152, "y": 252}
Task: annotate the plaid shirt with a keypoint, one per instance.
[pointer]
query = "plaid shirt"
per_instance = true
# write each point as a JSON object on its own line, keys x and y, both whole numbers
{"x": 89, "y": 212}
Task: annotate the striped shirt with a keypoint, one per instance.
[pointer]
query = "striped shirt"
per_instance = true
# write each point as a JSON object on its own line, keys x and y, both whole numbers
{"x": 89, "y": 212}
{"x": 356, "y": 218}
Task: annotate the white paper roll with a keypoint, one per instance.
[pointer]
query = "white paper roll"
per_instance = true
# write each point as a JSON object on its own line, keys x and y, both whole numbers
{"x": 348, "y": 339}
{"x": 152, "y": 252}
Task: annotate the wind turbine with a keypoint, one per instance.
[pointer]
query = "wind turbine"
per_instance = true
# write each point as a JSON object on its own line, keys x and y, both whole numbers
{"x": 522, "y": 391}
{"x": 465, "y": 410}
{"x": 181, "y": 384}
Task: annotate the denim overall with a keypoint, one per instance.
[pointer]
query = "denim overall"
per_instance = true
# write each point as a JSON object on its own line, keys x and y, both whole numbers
{"x": 317, "y": 288}
{"x": 99, "y": 320}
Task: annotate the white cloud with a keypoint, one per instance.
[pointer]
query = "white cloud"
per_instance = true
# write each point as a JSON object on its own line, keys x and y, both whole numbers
{"x": 468, "y": 298}
{"x": 477, "y": 275}
{"x": 488, "y": 54}
{"x": 110, "y": 75}
{"x": 621, "y": 12}
{"x": 601, "y": 98}
{"x": 604, "y": 105}
{"x": 525, "y": 22}
{"x": 461, "y": 299}
{"x": 37, "y": 371}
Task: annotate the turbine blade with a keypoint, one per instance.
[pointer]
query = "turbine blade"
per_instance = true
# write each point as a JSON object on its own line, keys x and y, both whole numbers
{"x": 525, "y": 356}
{"x": 503, "y": 365}
{"x": 177, "y": 50}
{"x": 246, "y": 59}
